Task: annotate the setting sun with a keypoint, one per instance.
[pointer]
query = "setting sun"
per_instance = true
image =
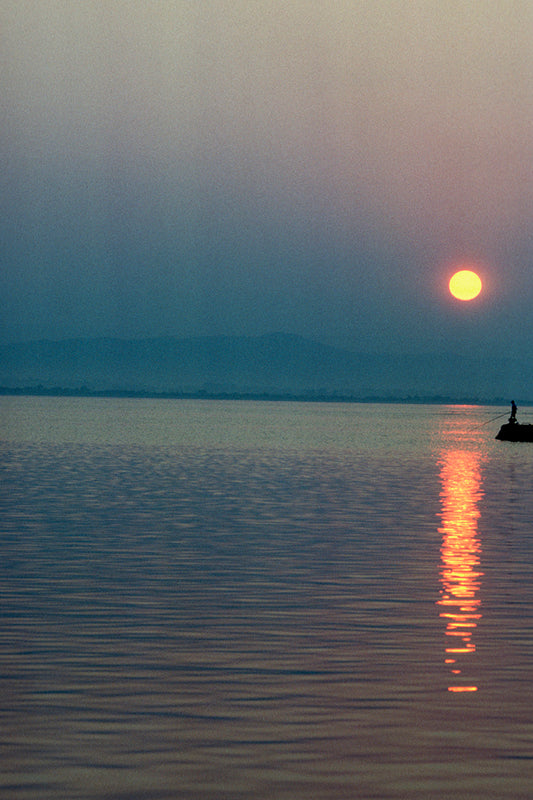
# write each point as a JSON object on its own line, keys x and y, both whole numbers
{"x": 465, "y": 284}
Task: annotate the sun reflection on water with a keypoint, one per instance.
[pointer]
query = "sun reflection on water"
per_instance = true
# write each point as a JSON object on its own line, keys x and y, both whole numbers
{"x": 460, "y": 575}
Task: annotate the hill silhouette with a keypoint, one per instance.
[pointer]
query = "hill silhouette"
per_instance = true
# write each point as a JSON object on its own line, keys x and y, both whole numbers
{"x": 271, "y": 364}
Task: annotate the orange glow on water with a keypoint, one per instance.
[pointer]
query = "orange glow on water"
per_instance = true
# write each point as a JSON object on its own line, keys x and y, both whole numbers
{"x": 460, "y": 575}
{"x": 462, "y": 688}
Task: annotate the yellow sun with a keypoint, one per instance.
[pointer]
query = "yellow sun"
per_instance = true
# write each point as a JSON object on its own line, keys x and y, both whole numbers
{"x": 465, "y": 284}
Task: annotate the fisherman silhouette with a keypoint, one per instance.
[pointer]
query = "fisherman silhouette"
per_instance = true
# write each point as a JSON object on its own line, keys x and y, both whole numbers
{"x": 512, "y": 418}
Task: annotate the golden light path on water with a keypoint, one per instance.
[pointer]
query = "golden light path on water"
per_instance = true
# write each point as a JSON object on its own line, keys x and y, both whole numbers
{"x": 460, "y": 574}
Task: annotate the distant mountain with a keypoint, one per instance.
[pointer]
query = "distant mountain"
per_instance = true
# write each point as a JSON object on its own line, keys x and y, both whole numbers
{"x": 271, "y": 364}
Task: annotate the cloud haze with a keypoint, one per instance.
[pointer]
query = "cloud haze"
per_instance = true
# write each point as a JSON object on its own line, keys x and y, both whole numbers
{"x": 178, "y": 168}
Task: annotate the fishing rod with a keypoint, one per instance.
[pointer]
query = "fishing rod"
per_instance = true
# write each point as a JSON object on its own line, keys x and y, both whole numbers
{"x": 493, "y": 419}
{"x": 523, "y": 414}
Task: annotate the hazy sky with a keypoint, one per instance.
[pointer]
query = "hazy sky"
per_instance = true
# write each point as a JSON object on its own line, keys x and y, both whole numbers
{"x": 241, "y": 167}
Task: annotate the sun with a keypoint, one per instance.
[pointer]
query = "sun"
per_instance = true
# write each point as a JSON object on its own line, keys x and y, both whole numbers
{"x": 465, "y": 284}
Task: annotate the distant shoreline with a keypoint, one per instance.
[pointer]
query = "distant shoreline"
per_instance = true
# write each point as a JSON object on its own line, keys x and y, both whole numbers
{"x": 55, "y": 391}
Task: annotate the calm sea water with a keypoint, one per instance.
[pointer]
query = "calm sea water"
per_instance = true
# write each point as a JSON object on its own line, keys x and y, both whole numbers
{"x": 220, "y": 601}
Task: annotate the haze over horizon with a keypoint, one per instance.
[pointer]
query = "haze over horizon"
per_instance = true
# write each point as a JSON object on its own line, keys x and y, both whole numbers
{"x": 233, "y": 168}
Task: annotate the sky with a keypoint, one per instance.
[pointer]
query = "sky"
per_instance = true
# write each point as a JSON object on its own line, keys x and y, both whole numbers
{"x": 242, "y": 167}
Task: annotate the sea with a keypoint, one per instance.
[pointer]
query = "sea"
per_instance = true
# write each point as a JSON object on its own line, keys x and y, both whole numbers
{"x": 248, "y": 600}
